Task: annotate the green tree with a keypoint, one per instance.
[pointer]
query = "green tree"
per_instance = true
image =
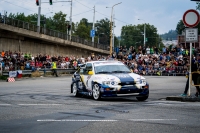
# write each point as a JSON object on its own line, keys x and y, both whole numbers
{"x": 103, "y": 30}
{"x": 83, "y": 29}
{"x": 59, "y": 22}
{"x": 180, "y": 27}
{"x": 133, "y": 35}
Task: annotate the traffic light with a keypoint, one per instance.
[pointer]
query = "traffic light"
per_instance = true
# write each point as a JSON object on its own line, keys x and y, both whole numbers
{"x": 37, "y": 2}
{"x": 146, "y": 39}
{"x": 50, "y": 2}
{"x": 69, "y": 27}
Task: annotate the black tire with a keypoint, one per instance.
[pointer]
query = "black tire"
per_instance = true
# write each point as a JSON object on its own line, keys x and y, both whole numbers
{"x": 75, "y": 90}
{"x": 142, "y": 98}
{"x": 96, "y": 93}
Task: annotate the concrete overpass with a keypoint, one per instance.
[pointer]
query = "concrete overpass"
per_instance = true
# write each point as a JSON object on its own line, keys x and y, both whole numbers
{"x": 16, "y": 35}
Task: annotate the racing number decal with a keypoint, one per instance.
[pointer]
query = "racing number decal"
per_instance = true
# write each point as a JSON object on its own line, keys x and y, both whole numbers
{"x": 87, "y": 80}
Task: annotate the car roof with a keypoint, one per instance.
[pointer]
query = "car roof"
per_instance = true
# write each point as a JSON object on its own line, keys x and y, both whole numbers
{"x": 109, "y": 62}
{"x": 105, "y": 61}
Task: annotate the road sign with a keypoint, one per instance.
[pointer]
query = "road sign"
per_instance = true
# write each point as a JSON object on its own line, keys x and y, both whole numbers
{"x": 92, "y": 33}
{"x": 191, "y": 34}
{"x": 191, "y": 18}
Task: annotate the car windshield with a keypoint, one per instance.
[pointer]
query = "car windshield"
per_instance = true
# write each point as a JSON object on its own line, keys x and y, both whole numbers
{"x": 111, "y": 69}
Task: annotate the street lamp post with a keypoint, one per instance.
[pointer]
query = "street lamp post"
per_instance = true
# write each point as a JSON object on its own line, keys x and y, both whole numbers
{"x": 144, "y": 32}
{"x": 70, "y": 30}
{"x": 38, "y": 19}
{"x": 111, "y": 27}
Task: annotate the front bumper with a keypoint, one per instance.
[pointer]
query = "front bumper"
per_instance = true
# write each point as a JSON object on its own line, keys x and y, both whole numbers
{"x": 125, "y": 91}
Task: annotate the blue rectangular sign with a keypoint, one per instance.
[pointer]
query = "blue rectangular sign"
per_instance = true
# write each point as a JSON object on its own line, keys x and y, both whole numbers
{"x": 92, "y": 33}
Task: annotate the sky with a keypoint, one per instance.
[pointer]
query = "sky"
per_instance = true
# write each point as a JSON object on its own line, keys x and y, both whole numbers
{"x": 163, "y": 14}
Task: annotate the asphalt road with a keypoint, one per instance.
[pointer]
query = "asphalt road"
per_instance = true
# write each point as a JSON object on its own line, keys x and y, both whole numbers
{"x": 45, "y": 105}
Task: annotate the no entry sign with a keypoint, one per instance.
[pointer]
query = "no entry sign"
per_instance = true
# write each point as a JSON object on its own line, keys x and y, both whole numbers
{"x": 191, "y": 18}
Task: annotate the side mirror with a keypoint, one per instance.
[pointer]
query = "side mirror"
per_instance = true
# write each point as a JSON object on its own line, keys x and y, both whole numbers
{"x": 90, "y": 73}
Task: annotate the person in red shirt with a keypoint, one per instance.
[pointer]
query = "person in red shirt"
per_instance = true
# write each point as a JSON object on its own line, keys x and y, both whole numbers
{"x": 32, "y": 64}
{"x": 2, "y": 53}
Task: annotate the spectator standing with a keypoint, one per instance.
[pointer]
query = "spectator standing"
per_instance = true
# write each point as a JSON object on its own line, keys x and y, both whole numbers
{"x": 194, "y": 68}
{"x": 140, "y": 49}
{"x": 156, "y": 50}
{"x": 124, "y": 50}
{"x": 164, "y": 50}
{"x": 54, "y": 68}
{"x": 151, "y": 50}
{"x": 148, "y": 50}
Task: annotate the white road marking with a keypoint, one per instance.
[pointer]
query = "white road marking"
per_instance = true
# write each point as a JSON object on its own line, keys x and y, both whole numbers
{"x": 65, "y": 120}
{"x": 49, "y": 120}
{"x": 39, "y": 104}
{"x": 153, "y": 119}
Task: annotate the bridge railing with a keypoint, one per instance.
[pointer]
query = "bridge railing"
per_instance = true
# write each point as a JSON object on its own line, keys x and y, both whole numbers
{"x": 50, "y": 32}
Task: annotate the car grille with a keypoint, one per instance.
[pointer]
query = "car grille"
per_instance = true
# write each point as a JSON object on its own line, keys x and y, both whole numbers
{"x": 127, "y": 83}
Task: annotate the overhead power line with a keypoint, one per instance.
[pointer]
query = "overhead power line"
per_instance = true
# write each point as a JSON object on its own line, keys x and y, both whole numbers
{"x": 101, "y": 13}
{"x": 18, "y": 5}
{"x": 82, "y": 13}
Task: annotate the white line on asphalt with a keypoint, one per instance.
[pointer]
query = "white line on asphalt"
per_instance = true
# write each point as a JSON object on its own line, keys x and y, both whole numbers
{"x": 73, "y": 120}
{"x": 65, "y": 120}
{"x": 152, "y": 119}
{"x": 39, "y": 104}
{"x": 5, "y": 104}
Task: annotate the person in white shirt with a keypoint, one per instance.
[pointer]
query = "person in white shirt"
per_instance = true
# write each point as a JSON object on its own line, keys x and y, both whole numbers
{"x": 82, "y": 60}
{"x": 148, "y": 50}
{"x": 63, "y": 64}
{"x": 7, "y": 68}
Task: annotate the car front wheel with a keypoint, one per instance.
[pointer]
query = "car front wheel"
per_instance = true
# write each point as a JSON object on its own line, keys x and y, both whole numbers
{"x": 75, "y": 90}
{"x": 142, "y": 98}
{"x": 96, "y": 92}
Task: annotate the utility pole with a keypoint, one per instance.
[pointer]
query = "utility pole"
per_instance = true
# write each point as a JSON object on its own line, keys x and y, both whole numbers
{"x": 70, "y": 31}
{"x": 38, "y": 20}
{"x": 111, "y": 27}
{"x": 144, "y": 34}
{"x": 93, "y": 24}
{"x": 113, "y": 37}
{"x": 5, "y": 15}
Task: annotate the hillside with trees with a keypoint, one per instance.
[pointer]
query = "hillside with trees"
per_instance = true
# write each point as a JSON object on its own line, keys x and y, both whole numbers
{"x": 171, "y": 35}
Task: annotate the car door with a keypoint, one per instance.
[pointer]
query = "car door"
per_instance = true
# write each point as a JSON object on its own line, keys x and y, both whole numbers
{"x": 85, "y": 77}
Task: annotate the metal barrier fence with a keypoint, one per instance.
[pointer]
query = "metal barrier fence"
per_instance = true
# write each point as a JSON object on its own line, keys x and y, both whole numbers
{"x": 163, "y": 71}
{"x": 49, "y": 32}
{"x": 29, "y": 72}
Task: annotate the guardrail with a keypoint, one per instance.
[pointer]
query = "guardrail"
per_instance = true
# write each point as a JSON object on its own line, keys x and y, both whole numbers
{"x": 50, "y": 32}
{"x": 59, "y": 70}
{"x": 24, "y": 72}
{"x": 45, "y": 71}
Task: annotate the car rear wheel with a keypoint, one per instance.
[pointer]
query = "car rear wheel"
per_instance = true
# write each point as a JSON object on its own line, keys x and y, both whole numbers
{"x": 96, "y": 92}
{"x": 75, "y": 90}
{"x": 142, "y": 98}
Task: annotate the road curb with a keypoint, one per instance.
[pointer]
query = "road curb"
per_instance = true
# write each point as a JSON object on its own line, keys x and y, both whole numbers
{"x": 183, "y": 99}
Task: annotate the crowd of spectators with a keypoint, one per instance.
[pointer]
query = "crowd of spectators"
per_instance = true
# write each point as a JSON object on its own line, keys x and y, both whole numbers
{"x": 144, "y": 60}
{"x": 152, "y": 61}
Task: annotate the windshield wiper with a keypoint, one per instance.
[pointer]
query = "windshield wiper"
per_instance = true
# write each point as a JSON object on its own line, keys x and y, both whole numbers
{"x": 120, "y": 72}
{"x": 103, "y": 72}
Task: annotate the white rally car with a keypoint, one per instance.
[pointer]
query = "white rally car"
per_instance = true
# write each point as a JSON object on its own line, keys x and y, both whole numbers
{"x": 108, "y": 79}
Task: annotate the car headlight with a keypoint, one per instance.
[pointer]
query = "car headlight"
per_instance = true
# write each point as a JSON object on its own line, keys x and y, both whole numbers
{"x": 143, "y": 81}
{"x": 106, "y": 83}
{"x": 109, "y": 83}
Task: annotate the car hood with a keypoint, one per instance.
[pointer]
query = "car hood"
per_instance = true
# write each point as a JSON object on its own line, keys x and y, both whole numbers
{"x": 119, "y": 77}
